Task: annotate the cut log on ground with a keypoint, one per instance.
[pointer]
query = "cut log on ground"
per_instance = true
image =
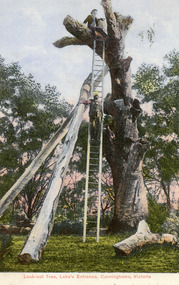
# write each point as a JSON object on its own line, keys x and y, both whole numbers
{"x": 143, "y": 237}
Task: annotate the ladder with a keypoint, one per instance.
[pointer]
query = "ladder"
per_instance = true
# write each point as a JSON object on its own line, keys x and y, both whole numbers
{"x": 92, "y": 203}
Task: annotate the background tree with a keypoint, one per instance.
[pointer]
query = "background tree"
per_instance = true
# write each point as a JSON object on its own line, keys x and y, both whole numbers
{"x": 160, "y": 89}
{"x": 29, "y": 115}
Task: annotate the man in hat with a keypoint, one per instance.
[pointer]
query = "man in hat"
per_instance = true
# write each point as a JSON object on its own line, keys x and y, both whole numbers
{"x": 95, "y": 114}
{"x": 92, "y": 23}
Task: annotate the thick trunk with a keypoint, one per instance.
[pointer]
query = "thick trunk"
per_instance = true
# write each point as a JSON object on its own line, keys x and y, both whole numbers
{"x": 142, "y": 238}
{"x": 122, "y": 147}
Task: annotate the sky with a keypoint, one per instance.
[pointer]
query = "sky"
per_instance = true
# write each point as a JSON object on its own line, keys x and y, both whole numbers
{"x": 29, "y": 28}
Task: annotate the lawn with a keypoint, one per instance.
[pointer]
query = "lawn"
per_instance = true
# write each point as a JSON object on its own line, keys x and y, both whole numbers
{"x": 69, "y": 254}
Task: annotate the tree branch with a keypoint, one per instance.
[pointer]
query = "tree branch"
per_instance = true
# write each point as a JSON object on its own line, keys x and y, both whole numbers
{"x": 68, "y": 41}
{"x": 78, "y": 30}
{"x": 110, "y": 17}
{"x": 124, "y": 23}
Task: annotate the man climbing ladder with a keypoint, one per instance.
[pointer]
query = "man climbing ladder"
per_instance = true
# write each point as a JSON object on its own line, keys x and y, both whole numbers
{"x": 95, "y": 114}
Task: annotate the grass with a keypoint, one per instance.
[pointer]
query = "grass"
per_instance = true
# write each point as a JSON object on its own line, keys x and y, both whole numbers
{"x": 69, "y": 254}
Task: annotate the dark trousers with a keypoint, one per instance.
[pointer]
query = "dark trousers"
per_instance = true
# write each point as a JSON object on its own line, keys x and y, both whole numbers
{"x": 99, "y": 30}
{"x": 95, "y": 128}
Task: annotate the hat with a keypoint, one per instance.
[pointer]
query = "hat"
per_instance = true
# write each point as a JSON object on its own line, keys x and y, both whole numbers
{"x": 95, "y": 93}
{"x": 94, "y": 10}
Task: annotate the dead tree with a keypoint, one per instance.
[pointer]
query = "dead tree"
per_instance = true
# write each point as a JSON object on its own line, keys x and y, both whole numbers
{"x": 122, "y": 147}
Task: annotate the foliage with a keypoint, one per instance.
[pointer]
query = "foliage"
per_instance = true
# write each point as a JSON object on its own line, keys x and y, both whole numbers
{"x": 70, "y": 254}
{"x": 157, "y": 215}
{"x": 160, "y": 89}
{"x": 29, "y": 116}
{"x": 7, "y": 216}
{"x": 71, "y": 202}
{"x": 148, "y": 35}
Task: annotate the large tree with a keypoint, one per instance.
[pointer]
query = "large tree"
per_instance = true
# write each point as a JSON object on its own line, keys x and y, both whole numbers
{"x": 122, "y": 147}
{"x": 27, "y": 120}
{"x": 159, "y": 88}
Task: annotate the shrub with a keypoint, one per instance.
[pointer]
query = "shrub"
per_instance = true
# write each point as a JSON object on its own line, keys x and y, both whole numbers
{"x": 157, "y": 215}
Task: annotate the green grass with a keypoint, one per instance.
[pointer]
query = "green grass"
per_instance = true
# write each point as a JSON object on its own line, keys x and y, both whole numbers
{"x": 70, "y": 254}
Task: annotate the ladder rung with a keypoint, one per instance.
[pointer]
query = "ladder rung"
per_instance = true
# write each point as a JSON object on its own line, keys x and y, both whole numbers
{"x": 94, "y": 231}
{"x": 93, "y": 190}
{"x": 92, "y": 145}
{"x": 94, "y": 158}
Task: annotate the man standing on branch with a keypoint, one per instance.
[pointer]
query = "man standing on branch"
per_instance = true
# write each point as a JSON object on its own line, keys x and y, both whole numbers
{"x": 92, "y": 23}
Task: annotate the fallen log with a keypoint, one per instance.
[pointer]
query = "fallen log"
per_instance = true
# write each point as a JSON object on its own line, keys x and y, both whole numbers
{"x": 143, "y": 237}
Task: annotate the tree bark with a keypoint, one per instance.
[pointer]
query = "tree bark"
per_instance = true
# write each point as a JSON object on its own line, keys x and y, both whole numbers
{"x": 122, "y": 147}
{"x": 67, "y": 41}
{"x": 142, "y": 238}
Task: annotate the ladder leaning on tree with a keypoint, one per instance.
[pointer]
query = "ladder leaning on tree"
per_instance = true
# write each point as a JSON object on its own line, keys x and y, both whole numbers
{"x": 94, "y": 152}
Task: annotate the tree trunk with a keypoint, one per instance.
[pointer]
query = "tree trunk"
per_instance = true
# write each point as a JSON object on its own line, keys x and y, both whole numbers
{"x": 122, "y": 147}
{"x": 142, "y": 238}
{"x": 40, "y": 233}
